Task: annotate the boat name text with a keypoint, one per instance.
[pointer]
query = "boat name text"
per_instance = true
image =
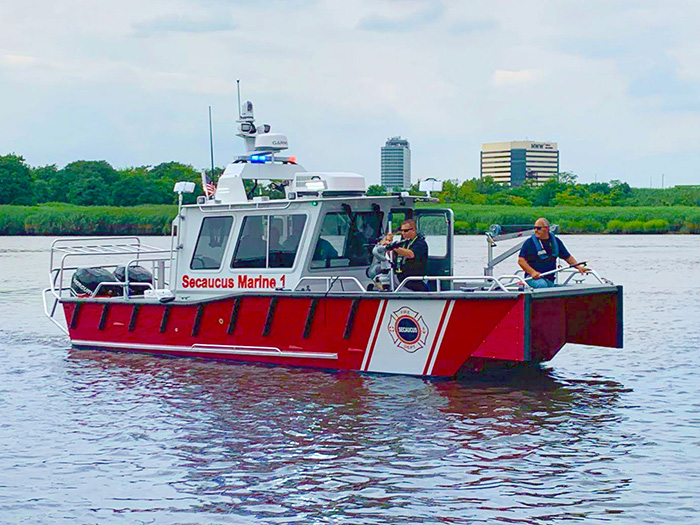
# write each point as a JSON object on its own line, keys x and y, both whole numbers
{"x": 241, "y": 281}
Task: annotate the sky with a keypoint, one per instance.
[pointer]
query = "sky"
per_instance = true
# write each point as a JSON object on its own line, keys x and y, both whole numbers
{"x": 616, "y": 83}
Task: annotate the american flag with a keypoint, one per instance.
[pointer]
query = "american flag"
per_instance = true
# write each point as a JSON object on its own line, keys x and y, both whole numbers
{"x": 208, "y": 185}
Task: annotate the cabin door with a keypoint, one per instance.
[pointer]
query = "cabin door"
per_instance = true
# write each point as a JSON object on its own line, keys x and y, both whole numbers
{"x": 437, "y": 226}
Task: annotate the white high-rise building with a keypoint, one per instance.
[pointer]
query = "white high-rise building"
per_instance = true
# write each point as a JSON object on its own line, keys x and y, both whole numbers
{"x": 396, "y": 164}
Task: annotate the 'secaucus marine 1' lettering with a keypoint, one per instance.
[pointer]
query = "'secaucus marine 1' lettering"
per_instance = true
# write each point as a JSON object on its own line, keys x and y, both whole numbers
{"x": 243, "y": 282}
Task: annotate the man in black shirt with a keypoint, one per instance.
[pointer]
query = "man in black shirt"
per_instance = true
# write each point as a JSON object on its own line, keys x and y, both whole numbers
{"x": 412, "y": 258}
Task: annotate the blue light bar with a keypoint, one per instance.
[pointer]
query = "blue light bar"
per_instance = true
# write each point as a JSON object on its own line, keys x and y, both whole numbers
{"x": 260, "y": 159}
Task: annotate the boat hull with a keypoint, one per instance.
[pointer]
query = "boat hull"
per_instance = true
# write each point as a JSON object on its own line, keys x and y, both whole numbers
{"x": 416, "y": 334}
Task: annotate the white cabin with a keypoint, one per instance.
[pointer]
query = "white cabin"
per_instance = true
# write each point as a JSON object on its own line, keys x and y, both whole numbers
{"x": 325, "y": 226}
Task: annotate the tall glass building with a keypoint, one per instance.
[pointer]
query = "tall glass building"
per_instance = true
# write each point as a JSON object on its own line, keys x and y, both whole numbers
{"x": 512, "y": 163}
{"x": 396, "y": 164}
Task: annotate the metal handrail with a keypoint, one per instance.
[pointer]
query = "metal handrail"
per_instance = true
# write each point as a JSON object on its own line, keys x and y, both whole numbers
{"x": 517, "y": 280}
{"x": 105, "y": 247}
{"x": 123, "y": 285}
{"x": 330, "y": 282}
{"x": 53, "y": 310}
{"x": 591, "y": 271}
{"x": 494, "y": 282}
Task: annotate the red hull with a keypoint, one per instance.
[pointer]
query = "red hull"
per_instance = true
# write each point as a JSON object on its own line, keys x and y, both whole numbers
{"x": 432, "y": 335}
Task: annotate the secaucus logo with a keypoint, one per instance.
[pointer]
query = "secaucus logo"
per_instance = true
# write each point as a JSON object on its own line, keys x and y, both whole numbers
{"x": 408, "y": 329}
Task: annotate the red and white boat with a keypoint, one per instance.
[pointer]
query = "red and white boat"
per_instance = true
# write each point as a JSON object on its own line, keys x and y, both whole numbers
{"x": 285, "y": 281}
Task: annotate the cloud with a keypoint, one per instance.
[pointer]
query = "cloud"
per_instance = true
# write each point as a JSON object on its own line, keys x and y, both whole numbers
{"x": 663, "y": 85}
{"x": 465, "y": 27}
{"x": 447, "y": 74}
{"x": 17, "y": 60}
{"x": 399, "y": 22}
{"x": 183, "y": 24}
{"x": 503, "y": 77}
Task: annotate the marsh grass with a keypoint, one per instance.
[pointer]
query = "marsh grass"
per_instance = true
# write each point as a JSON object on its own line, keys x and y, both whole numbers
{"x": 154, "y": 219}
{"x": 576, "y": 219}
{"x": 67, "y": 219}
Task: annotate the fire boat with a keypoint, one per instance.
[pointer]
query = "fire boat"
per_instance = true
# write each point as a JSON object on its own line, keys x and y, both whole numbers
{"x": 293, "y": 278}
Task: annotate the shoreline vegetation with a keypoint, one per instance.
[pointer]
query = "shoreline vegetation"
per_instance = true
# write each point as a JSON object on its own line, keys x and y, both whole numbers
{"x": 93, "y": 198}
{"x": 155, "y": 219}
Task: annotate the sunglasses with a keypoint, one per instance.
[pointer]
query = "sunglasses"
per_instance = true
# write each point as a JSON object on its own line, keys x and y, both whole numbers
{"x": 540, "y": 227}
{"x": 405, "y": 229}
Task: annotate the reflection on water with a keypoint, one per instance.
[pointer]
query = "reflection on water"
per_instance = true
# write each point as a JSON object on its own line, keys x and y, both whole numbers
{"x": 599, "y": 435}
{"x": 297, "y": 445}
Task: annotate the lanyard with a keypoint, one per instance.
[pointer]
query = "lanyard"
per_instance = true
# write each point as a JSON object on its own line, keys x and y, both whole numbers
{"x": 401, "y": 260}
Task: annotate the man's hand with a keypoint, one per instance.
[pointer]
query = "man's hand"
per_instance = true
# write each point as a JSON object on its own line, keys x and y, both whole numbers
{"x": 581, "y": 267}
{"x": 387, "y": 239}
{"x": 535, "y": 275}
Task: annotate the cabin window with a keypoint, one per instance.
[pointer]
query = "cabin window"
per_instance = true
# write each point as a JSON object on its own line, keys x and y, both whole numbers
{"x": 251, "y": 250}
{"x": 211, "y": 244}
{"x": 347, "y": 239}
{"x": 285, "y": 235}
{"x": 435, "y": 229}
{"x": 269, "y": 242}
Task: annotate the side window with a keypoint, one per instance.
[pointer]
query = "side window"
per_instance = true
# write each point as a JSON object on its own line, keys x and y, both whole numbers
{"x": 346, "y": 240}
{"x": 251, "y": 249}
{"x": 211, "y": 244}
{"x": 434, "y": 229}
{"x": 285, "y": 234}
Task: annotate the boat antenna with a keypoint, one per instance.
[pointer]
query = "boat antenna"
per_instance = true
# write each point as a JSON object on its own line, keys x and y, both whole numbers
{"x": 211, "y": 143}
{"x": 238, "y": 87}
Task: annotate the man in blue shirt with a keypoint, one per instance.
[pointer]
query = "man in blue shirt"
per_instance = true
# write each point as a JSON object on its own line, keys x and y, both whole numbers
{"x": 539, "y": 255}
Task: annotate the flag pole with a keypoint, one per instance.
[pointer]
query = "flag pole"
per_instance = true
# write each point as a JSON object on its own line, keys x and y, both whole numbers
{"x": 211, "y": 144}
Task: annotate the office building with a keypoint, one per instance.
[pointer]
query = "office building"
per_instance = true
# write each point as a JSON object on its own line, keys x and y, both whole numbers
{"x": 513, "y": 163}
{"x": 396, "y": 164}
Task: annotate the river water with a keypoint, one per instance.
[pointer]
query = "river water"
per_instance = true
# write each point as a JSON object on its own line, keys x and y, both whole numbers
{"x": 597, "y": 435}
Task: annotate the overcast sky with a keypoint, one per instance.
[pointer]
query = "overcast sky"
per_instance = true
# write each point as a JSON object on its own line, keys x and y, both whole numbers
{"x": 615, "y": 82}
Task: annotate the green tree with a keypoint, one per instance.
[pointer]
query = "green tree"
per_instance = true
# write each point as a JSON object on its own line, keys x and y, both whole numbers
{"x": 16, "y": 181}
{"x": 86, "y": 182}
{"x": 376, "y": 190}
{"x": 43, "y": 180}
{"x": 450, "y": 191}
{"x": 168, "y": 173}
{"x": 619, "y": 192}
{"x": 90, "y": 191}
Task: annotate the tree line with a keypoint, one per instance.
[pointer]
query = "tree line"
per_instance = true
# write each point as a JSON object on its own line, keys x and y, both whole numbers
{"x": 561, "y": 190}
{"x": 97, "y": 183}
{"x": 93, "y": 183}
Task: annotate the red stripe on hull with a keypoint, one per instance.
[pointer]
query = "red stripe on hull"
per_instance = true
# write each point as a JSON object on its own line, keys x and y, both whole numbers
{"x": 437, "y": 337}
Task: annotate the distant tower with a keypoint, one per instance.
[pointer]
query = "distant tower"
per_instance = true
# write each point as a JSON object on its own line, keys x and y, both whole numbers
{"x": 396, "y": 164}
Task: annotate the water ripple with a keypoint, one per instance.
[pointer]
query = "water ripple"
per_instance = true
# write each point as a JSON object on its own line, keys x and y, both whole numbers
{"x": 600, "y": 435}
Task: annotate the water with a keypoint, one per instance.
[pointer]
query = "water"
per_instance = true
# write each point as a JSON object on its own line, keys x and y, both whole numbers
{"x": 598, "y": 435}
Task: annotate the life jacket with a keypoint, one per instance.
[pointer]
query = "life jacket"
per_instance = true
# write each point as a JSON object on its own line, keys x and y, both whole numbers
{"x": 401, "y": 261}
{"x": 542, "y": 253}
